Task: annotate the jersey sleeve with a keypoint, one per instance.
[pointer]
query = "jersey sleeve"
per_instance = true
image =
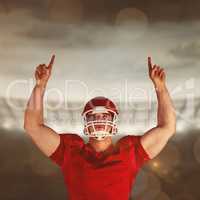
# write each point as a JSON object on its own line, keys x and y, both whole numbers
{"x": 67, "y": 142}
{"x": 141, "y": 155}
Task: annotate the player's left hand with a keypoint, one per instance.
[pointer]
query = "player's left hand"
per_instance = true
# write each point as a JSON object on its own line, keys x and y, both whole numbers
{"x": 156, "y": 74}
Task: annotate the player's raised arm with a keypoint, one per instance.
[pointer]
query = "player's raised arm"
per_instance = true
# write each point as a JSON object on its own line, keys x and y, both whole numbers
{"x": 44, "y": 137}
{"x": 155, "y": 139}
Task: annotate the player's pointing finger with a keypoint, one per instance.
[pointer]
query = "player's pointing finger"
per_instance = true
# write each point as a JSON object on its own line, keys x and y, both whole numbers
{"x": 51, "y": 62}
{"x": 149, "y": 64}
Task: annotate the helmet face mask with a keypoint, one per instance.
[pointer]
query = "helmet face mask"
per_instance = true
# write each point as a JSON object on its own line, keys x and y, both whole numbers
{"x": 99, "y": 121}
{"x": 100, "y": 125}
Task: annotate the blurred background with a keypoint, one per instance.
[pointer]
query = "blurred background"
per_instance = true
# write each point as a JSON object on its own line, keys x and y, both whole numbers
{"x": 101, "y": 49}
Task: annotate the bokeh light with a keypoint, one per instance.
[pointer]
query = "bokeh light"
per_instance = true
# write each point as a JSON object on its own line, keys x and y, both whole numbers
{"x": 131, "y": 20}
{"x": 168, "y": 159}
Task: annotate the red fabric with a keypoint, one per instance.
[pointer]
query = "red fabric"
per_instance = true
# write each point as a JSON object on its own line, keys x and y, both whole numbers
{"x": 107, "y": 175}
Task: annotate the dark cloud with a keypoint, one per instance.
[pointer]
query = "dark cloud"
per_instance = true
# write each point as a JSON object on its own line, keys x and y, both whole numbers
{"x": 31, "y": 4}
{"x": 36, "y": 6}
{"x": 106, "y": 11}
{"x": 189, "y": 50}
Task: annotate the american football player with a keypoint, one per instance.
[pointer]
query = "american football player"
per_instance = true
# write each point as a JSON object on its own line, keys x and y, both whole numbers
{"x": 100, "y": 169}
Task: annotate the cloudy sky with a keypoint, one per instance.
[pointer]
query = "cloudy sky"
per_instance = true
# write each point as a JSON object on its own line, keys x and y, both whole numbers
{"x": 101, "y": 47}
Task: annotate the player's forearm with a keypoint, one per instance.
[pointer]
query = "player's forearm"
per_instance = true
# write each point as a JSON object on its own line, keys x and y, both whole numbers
{"x": 166, "y": 116}
{"x": 34, "y": 112}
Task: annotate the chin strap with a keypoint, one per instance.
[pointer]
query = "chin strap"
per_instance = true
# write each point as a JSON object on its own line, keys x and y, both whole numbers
{"x": 100, "y": 138}
{"x": 99, "y": 135}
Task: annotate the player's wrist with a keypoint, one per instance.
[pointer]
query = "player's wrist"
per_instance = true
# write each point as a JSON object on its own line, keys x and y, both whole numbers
{"x": 160, "y": 87}
{"x": 41, "y": 86}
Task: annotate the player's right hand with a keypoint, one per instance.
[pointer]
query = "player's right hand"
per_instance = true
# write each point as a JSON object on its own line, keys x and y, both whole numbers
{"x": 43, "y": 72}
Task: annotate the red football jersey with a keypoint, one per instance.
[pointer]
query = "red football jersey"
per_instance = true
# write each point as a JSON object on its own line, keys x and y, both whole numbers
{"x": 107, "y": 175}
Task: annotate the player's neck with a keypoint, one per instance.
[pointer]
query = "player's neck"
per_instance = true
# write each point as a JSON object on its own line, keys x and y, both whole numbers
{"x": 101, "y": 145}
